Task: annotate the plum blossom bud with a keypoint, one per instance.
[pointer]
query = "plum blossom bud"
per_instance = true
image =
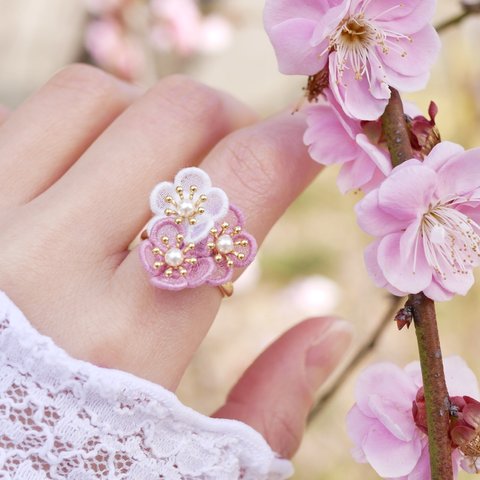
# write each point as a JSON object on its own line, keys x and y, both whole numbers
{"x": 424, "y": 134}
{"x": 404, "y": 317}
{"x": 465, "y": 430}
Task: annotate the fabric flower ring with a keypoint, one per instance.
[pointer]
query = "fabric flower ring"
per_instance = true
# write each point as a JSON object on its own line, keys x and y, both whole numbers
{"x": 195, "y": 237}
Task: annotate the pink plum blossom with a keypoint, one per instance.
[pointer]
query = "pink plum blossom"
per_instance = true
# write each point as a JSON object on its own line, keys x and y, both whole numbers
{"x": 180, "y": 27}
{"x": 367, "y": 46}
{"x": 332, "y": 138}
{"x": 425, "y": 216}
{"x": 381, "y": 423}
{"x": 112, "y": 48}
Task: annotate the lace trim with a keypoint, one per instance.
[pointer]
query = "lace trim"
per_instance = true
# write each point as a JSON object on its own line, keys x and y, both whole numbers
{"x": 62, "y": 418}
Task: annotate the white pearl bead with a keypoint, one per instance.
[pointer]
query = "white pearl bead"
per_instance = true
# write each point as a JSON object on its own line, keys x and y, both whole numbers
{"x": 174, "y": 257}
{"x": 186, "y": 209}
{"x": 225, "y": 244}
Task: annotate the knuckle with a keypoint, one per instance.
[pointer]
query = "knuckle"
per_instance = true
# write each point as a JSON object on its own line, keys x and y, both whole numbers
{"x": 85, "y": 79}
{"x": 281, "y": 431}
{"x": 252, "y": 163}
{"x": 189, "y": 99}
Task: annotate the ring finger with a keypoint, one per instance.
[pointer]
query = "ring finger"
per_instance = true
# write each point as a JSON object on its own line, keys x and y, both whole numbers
{"x": 262, "y": 168}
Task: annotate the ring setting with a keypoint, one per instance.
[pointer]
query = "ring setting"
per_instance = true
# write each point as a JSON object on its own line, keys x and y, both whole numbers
{"x": 196, "y": 236}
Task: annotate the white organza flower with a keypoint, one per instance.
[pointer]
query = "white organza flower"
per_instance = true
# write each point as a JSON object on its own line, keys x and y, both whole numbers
{"x": 190, "y": 200}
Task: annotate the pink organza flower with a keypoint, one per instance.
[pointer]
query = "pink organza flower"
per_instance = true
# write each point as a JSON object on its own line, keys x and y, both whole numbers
{"x": 367, "y": 45}
{"x": 229, "y": 245}
{"x": 382, "y": 425}
{"x": 425, "y": 215}
{"x": 172, "y": 263}
{"x": 332, "y": 138}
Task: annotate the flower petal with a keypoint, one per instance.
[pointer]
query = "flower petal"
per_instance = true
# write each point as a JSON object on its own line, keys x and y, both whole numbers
{"x": 292, "y": 42}
{"x": 200, "y": 272}
{"x": 356, "y": 173}
{"x": 373, "y": 220}
{"x": 385, "y": 380}
{"x": 411, "y": 274}
{"x": 458, "y": 283}
{"x": 389, "y": 456}
{"x": 415, "y": 55}
{"x": 459, "y": 377}
{"x": 405, "y": 83}
{"x": 158, "y": 196}
{"x": 221, "y": 274}
{"x": 174, "y": 283}
{"x": 234, "y": 217}
{"x": 358, "y": 425}
{"x": 407, "y": 191}
{"x": 278, "y": 11}
{"x": 460, "y": 175}
{"x": 461, "y": 381}
{"x": 442, "y": 153}
{"x": 378, "y": 156}
{"x": 355, "y": 96}
{"x": 248, "y": 251}
{"x": 217, "y": 204}
{"x": 397, "y": 421}
{"x": 406, "y": 16}
{"x": 329, "y": 21}
{"x": 436, "y": 292}
{"x": 328, "y": 141}
{"x": 193, "y": 176}
{"x": 422, "y": 468}
{"x": 147, "y": 257}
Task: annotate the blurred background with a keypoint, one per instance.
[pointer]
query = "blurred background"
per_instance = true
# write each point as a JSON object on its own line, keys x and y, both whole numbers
{"x": 312, "y": 261}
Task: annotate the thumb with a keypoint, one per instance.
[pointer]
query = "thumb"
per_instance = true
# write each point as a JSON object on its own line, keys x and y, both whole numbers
{"x": 276, "y": 392}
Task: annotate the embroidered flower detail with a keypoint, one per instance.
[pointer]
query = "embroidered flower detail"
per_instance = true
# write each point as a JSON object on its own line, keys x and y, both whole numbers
{"x": 425, "y": 215}
{"x": 173, "y": 263}
{"x": 190, "y": 200}
{"x": 229, "y": 246}
{"x": 384, "y": 422}
{"x": 366, "y": 45}
{"x": 332, "y": 138}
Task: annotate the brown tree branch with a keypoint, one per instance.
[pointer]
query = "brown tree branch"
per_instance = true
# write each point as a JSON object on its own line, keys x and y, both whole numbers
{"x": 437, "y": 400}
{"x": 436, "y": 393}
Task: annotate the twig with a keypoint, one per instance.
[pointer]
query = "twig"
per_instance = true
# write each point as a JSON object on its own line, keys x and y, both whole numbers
{"x": 362, "y": 352}
{"x": 468, "y": 9}
{"x": 436, "y": 393}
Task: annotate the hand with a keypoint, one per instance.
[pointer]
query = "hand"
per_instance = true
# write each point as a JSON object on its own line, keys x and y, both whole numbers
{"x": 78, "y": 161}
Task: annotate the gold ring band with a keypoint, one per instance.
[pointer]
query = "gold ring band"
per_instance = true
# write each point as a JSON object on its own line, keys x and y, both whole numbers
{"x": 226, "y": 289}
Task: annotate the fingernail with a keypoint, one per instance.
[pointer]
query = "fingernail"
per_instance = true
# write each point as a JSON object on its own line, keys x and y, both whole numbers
{"x": 327, "y": 351}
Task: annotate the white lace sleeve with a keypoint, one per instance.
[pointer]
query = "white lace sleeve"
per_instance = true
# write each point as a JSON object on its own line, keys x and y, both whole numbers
{"x": 62, "y": 418}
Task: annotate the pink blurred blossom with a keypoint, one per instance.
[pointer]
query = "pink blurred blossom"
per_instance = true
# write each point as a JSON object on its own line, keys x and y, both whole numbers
{"x": 381, "y": 423}
{"x": 102, "y": 7}
{"x": 332, "y": 137}
{"x": 425, "y": 216}
{"x": 181, "y": 27}
{"x": 367, "y": 46}
{"x": 113, "y": 49}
